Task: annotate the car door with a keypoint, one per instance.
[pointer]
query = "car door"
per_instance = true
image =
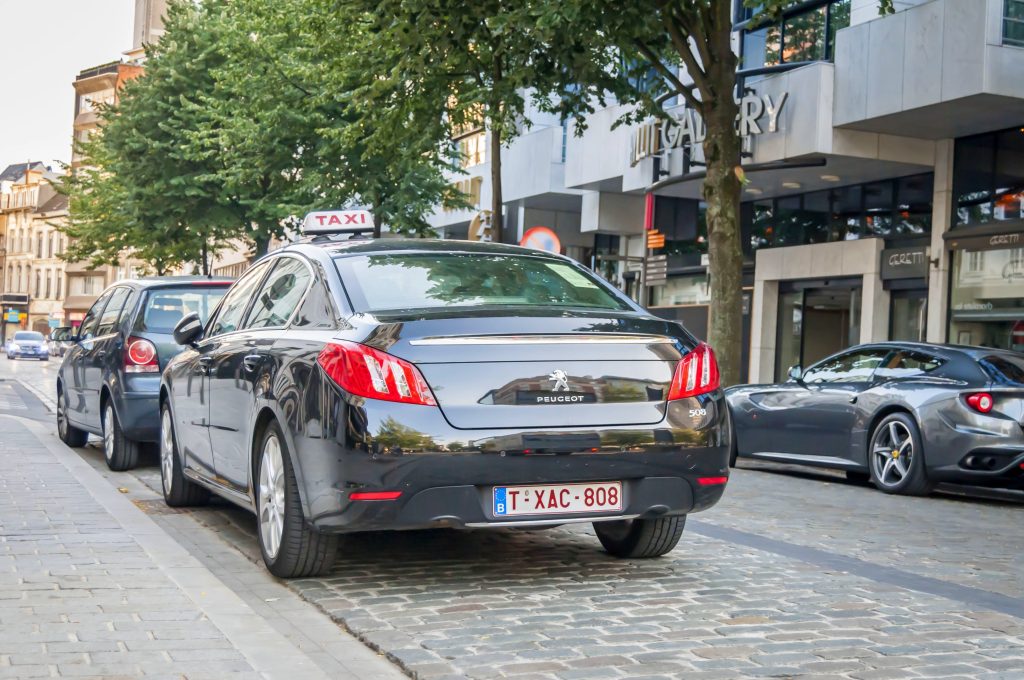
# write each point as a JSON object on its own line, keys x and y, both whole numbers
{"x": 106, "y": 352}
{"x": 827, "y": 414}
{"x": 242, "y": 363}
{"x": 193, "y": 392}
{"x": 83, "y": 407}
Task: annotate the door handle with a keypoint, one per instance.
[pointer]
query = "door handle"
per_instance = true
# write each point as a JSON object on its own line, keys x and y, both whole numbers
{"x": 101, "y": 353}
{"x": 204, "y": 365}
{"x": 853, "y": 400}
{"x": 251, "y": 362}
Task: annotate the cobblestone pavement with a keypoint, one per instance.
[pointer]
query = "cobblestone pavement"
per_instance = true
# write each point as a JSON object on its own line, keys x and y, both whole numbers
{"x": 865, "y": 596}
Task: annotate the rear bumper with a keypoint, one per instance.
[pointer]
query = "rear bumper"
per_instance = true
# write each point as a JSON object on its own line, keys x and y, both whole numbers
{"x": 446, "y": 476}
{"x": 139, "y": 413}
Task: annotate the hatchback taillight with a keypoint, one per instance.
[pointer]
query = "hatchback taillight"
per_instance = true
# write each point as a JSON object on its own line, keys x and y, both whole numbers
{"x": 140, "y": 356}
{"x": 981, "y": 402}
{"x": 696, "y": 373}
{"x": 368, "y": 372}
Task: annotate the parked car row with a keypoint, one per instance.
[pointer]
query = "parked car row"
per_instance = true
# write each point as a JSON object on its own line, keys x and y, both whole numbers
{"x": 348, "y": 384}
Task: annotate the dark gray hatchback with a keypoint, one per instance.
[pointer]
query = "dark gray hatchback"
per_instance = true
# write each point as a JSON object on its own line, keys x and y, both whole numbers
{"x": 110, "y": 378}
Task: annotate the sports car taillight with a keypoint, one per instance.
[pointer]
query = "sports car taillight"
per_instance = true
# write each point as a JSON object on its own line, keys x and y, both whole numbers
{"x": 980, "y": 402}
{"x": 696, "y": 373}
{"x": 140, "y": 356}
{"x": 368, "y": 372}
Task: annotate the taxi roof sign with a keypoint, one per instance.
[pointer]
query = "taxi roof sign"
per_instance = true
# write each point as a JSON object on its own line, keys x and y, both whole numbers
{"x": 337, "y": 222}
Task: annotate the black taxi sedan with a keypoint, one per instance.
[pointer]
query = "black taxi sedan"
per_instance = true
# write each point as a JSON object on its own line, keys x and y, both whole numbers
{"x": 348, "y": 384}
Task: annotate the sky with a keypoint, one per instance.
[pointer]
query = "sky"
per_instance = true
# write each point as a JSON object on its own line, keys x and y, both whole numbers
{"x": 43, "y": 46}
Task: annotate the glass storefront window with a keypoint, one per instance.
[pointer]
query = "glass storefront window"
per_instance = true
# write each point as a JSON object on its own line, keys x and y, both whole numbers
{"x": 1013, "y": 23}
{"x": 682, "y": 290}
{"x": 847, "y": 219}
{"x": 908, "y": 315}
{"x": 913, "y": 206}
{"x": 987, "y": 298}
{"x": 804, "y": 36}
{"x": 988, "y": 177}
{"x": 790, "y": 332}
{"x": 878, "y": 208}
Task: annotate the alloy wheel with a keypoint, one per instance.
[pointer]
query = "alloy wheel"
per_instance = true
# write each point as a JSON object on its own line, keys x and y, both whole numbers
{"x": 108, "y": 432}
{"x": 271, "y": 496}
{"x": 892, "y": 453}
{"x": 166, "y": 450}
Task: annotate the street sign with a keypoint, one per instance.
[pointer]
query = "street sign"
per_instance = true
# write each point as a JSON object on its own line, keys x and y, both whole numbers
{"x": 655, "y": 239}
{"x": 541, "y": 238}
{"x": 656, "y": 270}
{"x": 13, "y": 316}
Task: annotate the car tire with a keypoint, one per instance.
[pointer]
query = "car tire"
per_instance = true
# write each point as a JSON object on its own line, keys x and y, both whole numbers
{"x": 895, "y": 441}
{"x": 291, "y": 548}
{"x": 121, "y": 453}
{"x": 68, "y": 433}
{"x": 640, "y": 537}
{"x": 179, "y": 490}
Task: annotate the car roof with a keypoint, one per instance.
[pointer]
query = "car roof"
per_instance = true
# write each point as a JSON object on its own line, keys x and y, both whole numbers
{"x": 158, "y": 281}
{"x": 946, "y": 349}
{"x": 362, "y": 246}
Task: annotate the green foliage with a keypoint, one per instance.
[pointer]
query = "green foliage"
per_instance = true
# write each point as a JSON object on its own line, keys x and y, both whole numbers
{"x": 244, "y": 119}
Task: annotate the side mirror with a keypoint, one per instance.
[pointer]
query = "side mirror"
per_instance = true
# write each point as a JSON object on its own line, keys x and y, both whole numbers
{"x": 62, "y": 334}
{"x": 796, "y": 373}
{"x": 188, "y": 329}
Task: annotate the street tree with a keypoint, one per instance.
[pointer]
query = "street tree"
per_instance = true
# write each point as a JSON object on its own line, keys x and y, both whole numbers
{"x": 607, "y": 49}
{"x": 447, "y": 67}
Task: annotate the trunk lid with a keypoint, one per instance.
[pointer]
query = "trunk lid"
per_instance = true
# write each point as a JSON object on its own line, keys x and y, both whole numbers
{"x": 506, "y": 371}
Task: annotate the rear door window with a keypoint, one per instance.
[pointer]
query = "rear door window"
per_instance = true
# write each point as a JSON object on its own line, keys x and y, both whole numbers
{"x": 112, "y": 312}
{"x": 232, "y": 308}
{"x": 280, "y": 294}
{"x": 164, "y": 307}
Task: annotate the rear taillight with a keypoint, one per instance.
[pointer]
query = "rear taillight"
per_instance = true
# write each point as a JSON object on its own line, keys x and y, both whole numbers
{"x": 696, "y": 373}
{"x": 368, "y": 372}
{"x": 140, "y": 356}
{"x": 980, "y": 401}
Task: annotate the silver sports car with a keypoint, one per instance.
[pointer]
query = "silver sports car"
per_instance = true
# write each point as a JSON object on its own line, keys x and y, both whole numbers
{"x": 906, "y": 415}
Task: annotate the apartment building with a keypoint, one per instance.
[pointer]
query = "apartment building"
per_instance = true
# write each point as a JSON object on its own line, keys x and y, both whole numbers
{"x": 886, "y": 194}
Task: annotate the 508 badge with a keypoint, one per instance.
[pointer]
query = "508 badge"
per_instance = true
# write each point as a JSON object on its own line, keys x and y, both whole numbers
{"x": 698, "y": 412}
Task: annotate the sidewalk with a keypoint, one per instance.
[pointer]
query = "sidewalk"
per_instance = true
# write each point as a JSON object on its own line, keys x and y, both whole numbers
{"x": 90, "y": 586}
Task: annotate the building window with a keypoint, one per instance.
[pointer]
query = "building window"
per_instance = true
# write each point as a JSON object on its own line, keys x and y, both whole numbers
{"x": 1013, "y": 23}
{"x": 988, "y": 177}
{"x": 805, "y": 32}
{"x": 39, "y": 246}
{"x": 472, "y": 149}
{"x": 60, "y": 286}
{"x": 986, "y": 303}
{"x": 39, "y": 284}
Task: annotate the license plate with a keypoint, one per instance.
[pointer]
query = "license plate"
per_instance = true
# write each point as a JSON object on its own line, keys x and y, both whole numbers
{"x": 557, "y": 499}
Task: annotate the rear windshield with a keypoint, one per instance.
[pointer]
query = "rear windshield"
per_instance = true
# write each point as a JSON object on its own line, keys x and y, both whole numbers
{"x": 416, "y": 281}
{"x": 28, "y": 336}
{"x": 1004, "y": 369}
{"x": 164, "y": 307}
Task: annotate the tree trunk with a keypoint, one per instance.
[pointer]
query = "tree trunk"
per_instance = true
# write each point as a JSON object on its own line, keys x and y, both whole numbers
{"x": 260, "y": 243}
{"x": 377, "y": 222}
{"x": 722, "y": 147}
{"x": 497, "y": 221}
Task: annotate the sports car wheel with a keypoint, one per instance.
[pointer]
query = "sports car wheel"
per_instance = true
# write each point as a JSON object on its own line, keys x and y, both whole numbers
{"x": 640, "y": 537}
{"x": 68, "y": 433}
{"x": 896, "y": 457}
{"x": 121, "y": 452}
{"x": 178, "y": 489}
{"x": 290, "y": 547}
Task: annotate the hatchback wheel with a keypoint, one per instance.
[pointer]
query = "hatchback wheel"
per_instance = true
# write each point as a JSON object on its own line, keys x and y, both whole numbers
{"x": 68, "y": 433}
{"x": 896, "y": 457}
{"x": 640, "y": 537}
{"x": 178, "y": 489}
{"x": 290, "y": 547}
{"x": 121, "y": 452}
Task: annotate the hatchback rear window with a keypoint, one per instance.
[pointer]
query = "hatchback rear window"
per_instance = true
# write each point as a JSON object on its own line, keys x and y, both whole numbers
{"x": 1004, "y": 369}
{"x": 164, "y": 307}
{"x": 417, "y": 281}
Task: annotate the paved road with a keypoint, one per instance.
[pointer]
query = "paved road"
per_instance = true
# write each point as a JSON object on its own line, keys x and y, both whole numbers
{"x": 797, "y": 573}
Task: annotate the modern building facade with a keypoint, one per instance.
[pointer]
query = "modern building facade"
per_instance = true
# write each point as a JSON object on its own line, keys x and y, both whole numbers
{"x": 886, "y": 194}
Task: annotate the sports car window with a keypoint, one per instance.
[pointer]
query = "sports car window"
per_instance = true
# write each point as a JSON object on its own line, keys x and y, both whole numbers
{"x": 1004, "y": 369}
{"x": 856, "y": 366}
{"x": 280, "y": 294}
{"x": 232, "y": 309}
{"x": 908, "y": 364}
{"x": 406, "y": 281}
{"x": 112, "y": 312}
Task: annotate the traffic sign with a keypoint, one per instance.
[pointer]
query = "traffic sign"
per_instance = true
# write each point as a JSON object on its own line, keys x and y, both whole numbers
{"x": 656, "y": 270}
{"x": 655, "y": 239}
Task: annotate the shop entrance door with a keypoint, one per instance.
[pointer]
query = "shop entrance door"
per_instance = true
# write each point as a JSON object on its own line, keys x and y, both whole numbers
{"x": 816, "y": 319}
